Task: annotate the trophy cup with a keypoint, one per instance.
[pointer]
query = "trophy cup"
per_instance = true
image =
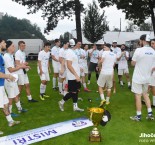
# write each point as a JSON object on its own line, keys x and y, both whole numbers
{"x": 95, "y": 115}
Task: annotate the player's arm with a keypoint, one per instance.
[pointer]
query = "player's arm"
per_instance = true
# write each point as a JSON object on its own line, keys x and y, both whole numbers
{"x": 69, "y": 66}
{"x": 21, "y": 66}
{"x": 54, "y": 58}
{"x": 133, "y": 63}
{"x": 62, "y": 67}
{"x": 91, "y": 53}
{"x": 49, "y": 69}
{"x": 7, "y": 76}
{"x": 60, "y": 59}
{"x": 40, "y": 67}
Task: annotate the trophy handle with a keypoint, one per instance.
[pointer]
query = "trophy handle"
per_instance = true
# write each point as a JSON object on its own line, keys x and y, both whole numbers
{"x": 91, "y": 115}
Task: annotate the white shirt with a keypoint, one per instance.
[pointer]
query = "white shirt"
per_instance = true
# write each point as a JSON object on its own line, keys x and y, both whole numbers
{"x": 95, "y": 56}
{"x": 123, "y": 63}
{"x": 117, "y": 51}
{"x": 101, "y": 52}
{"x": 55, "y": 51}
{"x": 20, "y": 56}
{"x": 108, "y": 62}
{"x": 62, "y": 53}
{"x": 9, "y": 63}
{"x": 44, "y": 58}
{"x": 71, "y": 56}
{"x": 144, "y": 58}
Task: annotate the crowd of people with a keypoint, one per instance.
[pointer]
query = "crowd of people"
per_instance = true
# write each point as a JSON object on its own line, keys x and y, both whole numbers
{"x": 72, "y": 64}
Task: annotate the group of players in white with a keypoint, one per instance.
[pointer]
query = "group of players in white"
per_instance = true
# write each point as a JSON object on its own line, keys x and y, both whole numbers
{"x": 71, "y": 66}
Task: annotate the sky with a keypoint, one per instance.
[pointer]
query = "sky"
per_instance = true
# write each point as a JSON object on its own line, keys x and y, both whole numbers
{"x": 14, "y": 9}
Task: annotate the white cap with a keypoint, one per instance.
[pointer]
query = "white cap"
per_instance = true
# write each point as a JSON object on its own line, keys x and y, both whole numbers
{"x": 148, "y": 38}
{"x": 114, "y": 41}
{"x": 72, "y": 42}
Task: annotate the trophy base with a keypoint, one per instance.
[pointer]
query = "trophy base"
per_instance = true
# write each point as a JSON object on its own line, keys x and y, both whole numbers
{"x": 95, "y": 138}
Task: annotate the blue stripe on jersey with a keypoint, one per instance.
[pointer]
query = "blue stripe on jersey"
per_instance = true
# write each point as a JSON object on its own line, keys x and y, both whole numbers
{"x": 2, "y": 69}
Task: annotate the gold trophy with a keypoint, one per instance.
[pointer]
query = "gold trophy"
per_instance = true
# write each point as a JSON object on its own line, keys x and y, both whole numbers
{"x": 95, "y": 115}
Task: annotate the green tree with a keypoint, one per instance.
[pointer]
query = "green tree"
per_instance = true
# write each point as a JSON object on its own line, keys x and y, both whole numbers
{"x": 54, "y": 10}
{"x": 136, "y": 10}
{"x": 13, "y": 28}
{"x": 146, "y": 27}
{"x": 95, "y": 24}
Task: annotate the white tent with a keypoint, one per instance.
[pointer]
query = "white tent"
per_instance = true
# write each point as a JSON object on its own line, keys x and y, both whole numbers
{"x": 120, "y": 37}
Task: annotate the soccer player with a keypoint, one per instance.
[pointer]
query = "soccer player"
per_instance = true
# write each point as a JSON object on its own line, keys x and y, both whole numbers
{"x": 94, "y": 57}
{"x": 143, "y": 60}
{"x": 62, "y": 70}
{"x": 152, "y": 80}
{"x": 105, "y": 79}
{"x": 3, "y": 97}
{"x": 12, "y": 87}
{"x": 43, "y": 69}
{"x": 55, "y": 61}
{"x": 82, "y": 57}
{"x": 73, "y": 75}
{"x": 20, "y": 57}
{"x": 123, "y": 66}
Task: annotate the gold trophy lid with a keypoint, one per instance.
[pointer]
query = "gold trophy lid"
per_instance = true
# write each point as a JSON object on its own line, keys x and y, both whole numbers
{"x": 96, "y": 110}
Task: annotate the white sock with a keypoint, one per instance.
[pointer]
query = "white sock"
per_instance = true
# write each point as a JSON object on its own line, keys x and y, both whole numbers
{"x": 88, "y": 81}
{"x": 75, "y": 105}
{"x": 62, "y": 101}
{"x": 29, "y": 97}
{"x": 121, "y": 82}
{"x": 63, "y": 84}
{"x": 54, "y": 82}
{"x": 149, "y": 110}
{"x": 19, "y": 105}
{"x": 153, "y": 100}
{"x": 102, "y": 97}
{"x": 139, "y": 113}
{"x": 42, "y": 88}
{"x": 9, "y": 118}
{"x": 84, "y": 85}
{"x": 129, "y": 84}
{"x": 107, "y": 99}
{"x": 60, "y": 87}
{"x": 10, "y": 108}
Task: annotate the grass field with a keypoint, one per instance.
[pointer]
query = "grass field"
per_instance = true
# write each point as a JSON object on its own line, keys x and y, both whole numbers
{"x": 119, "y": 131}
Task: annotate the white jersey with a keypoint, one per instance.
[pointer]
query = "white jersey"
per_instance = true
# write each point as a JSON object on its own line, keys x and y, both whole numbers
{"x": 86, "y": 57}
{"x": 20, "y": 56}
{"x": 144, "y": 58}
{"x": 117, "y": 51}
{"x": 72, "y": 56}
{"x": 95, "y": 56}
{"x": 123, "y": 63}
{"x": 44, "y": 58}
{"x": 55, "y": 52}
{"x": 9, "y": 63}
{"x": 100, "y": 53}
{"x": 108, "y": 62}
{"x": 62, "y": 54}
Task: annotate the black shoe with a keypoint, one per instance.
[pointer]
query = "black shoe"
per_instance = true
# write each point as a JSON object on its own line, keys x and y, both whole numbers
{"x": 153, "y": 106}
{"x": 129, "y": 87}
{"x": 32, "y": 101}
{"x": 54, "y": 89}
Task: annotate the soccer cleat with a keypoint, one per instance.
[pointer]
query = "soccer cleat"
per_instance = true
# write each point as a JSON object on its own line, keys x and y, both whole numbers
{"x": 22, "y": 111}
{"x": 46, "y": 96}
{"x": 1, "y": 132}
{"x": 61, "y": 106}
{"x": 13, "y": 123}
{"x": 107, "y": 103}
{"x": 14, "y": 115}
{"x": 135, "y": 118}
{"x": 87, "y": 90}
{"x": 78, "y": 109}
{"x": 150, "y": 117}
{"x": 129, "y": 87}
{"x": 102, "y": 103}
{"x": 54, "y": 89}
{"x": 88, "y": 82}
{"x": 32, "y": 101}
{"x": 42, "y": 97}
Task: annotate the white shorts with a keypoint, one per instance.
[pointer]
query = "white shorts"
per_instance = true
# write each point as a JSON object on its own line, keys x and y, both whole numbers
{"x": 11, "y": 89}
{"x": 139, "y": 88}
{"x": 123, "y": 71}
{"x": 45, "y": 77}
{"x": 3, "y": 97}
{"x": 23, "y": 79}
{"x": 56, "y": 67}
{"x": 105, "y": 80}
{"x": 152, "y": 81}
{"x": 85, "y": 69}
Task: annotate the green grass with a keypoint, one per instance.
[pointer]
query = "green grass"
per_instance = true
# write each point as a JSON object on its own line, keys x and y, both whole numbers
{"x": 119, "y": 131}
